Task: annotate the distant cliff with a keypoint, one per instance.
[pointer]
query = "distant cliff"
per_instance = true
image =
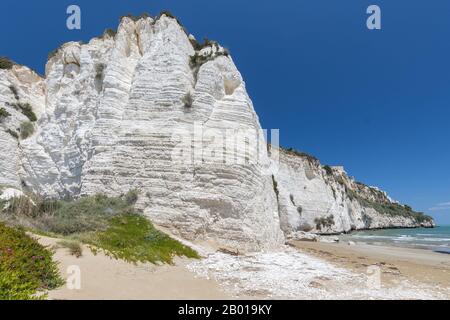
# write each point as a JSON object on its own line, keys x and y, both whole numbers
{"x": 322, "y": 199}
{"x": 109, "y": 114}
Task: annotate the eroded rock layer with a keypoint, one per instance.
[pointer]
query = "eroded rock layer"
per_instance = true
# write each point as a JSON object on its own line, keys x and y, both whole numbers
{"x": 150, "y": 109}
{"x": 323, "y": 199}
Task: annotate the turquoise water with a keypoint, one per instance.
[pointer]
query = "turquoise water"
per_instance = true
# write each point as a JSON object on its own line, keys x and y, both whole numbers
{"x": 436, "y": 239}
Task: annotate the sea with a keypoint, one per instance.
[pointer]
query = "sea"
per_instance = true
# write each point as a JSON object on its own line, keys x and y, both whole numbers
{"x": 436, "y": 239}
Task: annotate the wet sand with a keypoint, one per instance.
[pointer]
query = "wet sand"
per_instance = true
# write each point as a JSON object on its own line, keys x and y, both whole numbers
{"x": 395, "y": 263}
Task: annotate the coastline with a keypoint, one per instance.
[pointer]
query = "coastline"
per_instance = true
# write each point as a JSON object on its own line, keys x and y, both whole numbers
{"x": 436, "y": 239}
{"x": 375, "y": 229}
{"x": 397, "y": 264}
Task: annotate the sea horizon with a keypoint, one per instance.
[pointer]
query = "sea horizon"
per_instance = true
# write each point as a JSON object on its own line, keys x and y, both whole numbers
{"x": 436, "y": 239}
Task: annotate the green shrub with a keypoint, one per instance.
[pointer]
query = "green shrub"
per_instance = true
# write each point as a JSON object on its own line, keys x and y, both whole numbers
{"x": 14, "y": 91}
{"x": 275, "y": 187}
{"x": 392, "y": 209}
{"x": 5, "y": 63}
{"x": 131, "y": 197}
{"x": 199, "y": 59}
{"x": 13, "y": 133}
{"x": 301, "y": 154}
{"x": 136, "y": 18}
{"x": 65, "y": 217}
{"x": 27, "y": 111}
{"x": 188, "y": 100}
{"x": 108, "y": 224}
{"x": 99, "y": 71}
{"x": 12, "y": 287}
{"x": 420, "y": 217}
{"x": 134, "y": 239}
{"x": 52, "y": 53}
{"x": 328, "y": 170}
{"x": 74, "y": 247}
{"x": 324, "y": 222}
{"x": 25, "y": 266}
{"x": 170, "y": 15}
{"x": 167, "y": 13}
{"x": 26, "y": 129}
{"x": 291, "y": 196}
{"x": 4, "y": 114}
{"x": 110, "y": 32}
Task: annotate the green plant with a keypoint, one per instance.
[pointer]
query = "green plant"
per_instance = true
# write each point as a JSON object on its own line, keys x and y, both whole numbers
{"x": 108, "y": 224}
{"x": 300, "y": 154}
{"x": 74, "y": 247}
{"x": 13, "y": 133}
{"x": 4, "y": 114}
{"x": 275, "y": 187}
{"x": 136, "y": 18}
{"x": 99, "y": 71}
{"x": 110, "y": 32}
{"x": 291, "y": 196}
{"x": 27, "y": 111}
{"x": 14, "y": 91}
{"x": 199, "y": 59}
{"x": 12, "y": 287}
{"x": 366, "y": 219}
{"x": 26, "y": 129}
{"x": 5, "y": 63}
{"x": 134, "y": 239}
{"x": 328, "y": 170}
{"x": 25, "y": 266}
{"x": 131, "y": 197}
{"x": 188, "y": 100}
{"x": 389, "y": 208}
{"x": 195, "y": 44}
{"x": 60, "y": 217}
{"x": 52, "y": 53}
{"x": 170, "y": 15}
{"x": 324, "y": 222}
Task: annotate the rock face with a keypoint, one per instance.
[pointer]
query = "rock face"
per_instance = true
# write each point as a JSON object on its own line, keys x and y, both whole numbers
{"x": 148, "y": 108}
{"x": 117, "y": 109}
{"x": 321, "y": 199}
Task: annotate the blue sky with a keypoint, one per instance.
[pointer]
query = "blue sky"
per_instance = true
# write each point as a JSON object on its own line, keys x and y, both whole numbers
{"x": 377, "y": 102}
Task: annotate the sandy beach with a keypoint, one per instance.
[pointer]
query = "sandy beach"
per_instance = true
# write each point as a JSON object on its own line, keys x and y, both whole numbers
{"x": 105, "y": 278}
{"x": 395, "y": 263}
{"x": 302, "y": 270}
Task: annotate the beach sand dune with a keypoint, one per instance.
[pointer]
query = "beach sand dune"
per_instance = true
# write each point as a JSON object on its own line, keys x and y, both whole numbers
{"x": 105, "y": 278}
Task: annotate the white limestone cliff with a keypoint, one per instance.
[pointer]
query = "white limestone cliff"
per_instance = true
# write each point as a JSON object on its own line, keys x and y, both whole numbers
{"x": 322, "y": 199}
{"x": 111, "y": 114}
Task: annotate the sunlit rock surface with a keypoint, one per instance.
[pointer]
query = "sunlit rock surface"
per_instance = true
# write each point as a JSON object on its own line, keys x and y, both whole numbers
{"x": 116, "y": 114}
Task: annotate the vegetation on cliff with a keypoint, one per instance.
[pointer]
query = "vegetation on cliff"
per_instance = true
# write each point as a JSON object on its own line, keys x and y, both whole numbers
{"x": 6, "y": 63}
